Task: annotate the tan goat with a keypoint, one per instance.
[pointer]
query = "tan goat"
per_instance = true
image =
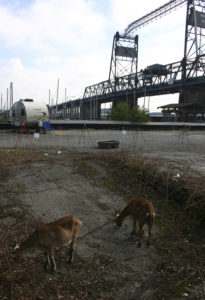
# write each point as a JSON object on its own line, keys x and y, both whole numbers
{"x": 53, "y": 235}
{"x": 142, "y": 211}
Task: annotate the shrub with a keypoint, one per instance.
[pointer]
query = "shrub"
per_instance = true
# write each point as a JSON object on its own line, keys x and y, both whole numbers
{"x": 138, "y": 115}
{"x": 120, "y": 112}
{"x": 123, "y": 112}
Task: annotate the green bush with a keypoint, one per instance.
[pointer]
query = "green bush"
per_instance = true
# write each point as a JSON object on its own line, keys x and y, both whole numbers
{"x": 138, "y": 115}
{"x": 123, "y": 112}
{"x": 120, "y": 112}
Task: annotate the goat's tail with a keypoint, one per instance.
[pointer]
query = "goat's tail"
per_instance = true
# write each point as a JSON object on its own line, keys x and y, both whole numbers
{"x": 150, "y": 219}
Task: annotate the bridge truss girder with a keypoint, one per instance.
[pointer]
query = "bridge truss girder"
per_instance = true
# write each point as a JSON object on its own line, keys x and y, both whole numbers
{"x": 139, "y": 81}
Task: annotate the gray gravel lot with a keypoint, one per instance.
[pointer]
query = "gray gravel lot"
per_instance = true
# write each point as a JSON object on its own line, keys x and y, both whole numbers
{"x": 182, "y": 149}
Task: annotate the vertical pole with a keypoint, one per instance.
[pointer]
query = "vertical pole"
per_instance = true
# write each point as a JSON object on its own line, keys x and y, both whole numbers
{"x": 185, "y": 44}
{"x": 57, "y": 97}
{"x": 136, "y": 47}
{"x": 7, "y": 101}
{"x": 49, "y": 98}
{"x": 96, "y": 107}
{"x": 90, "y": 110}
{"x": 65, "y": 103}
{"x": 195, "y": 28}
{"x": 11, "y": 95}
{"x": 148, "y": 103}
{"x": 93, "y": 102}
{"x": 144, "y": 97}
{"x": 49, "y": 102}
{"x": 81, "y": 103}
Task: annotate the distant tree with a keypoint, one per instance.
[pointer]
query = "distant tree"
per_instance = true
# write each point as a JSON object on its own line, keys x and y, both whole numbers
{"x": 120, "y": 112}
{"x": 123, "y": 112}
{"x": 138, "y": 115}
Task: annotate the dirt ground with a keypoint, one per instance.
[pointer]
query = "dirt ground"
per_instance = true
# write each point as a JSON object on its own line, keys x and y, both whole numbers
{"x": 59, "y": 183}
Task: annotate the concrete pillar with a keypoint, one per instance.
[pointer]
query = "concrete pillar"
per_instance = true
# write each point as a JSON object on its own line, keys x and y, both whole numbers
{"x": 196, "y": 96}
{"x": 86, "y": 112}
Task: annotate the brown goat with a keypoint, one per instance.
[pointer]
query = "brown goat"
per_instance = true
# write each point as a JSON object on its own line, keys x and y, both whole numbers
{"x": 142, "y": 211}
{"x": 53, "y": 235}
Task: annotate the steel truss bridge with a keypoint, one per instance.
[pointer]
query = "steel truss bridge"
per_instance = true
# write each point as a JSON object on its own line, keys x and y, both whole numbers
{"x": 126, "y": 83}
{"x": 167, "y": 82}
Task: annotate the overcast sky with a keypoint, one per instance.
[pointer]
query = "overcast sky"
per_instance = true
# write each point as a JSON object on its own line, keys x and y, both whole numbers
{"x": 43, "y": 40}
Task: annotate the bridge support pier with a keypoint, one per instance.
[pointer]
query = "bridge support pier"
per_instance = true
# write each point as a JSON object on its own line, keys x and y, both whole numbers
{"x": 192, "y": 102}
{"x": 196, "y": 95}
{"x": 129, "y": 98}
{"x": 91, "y": 110}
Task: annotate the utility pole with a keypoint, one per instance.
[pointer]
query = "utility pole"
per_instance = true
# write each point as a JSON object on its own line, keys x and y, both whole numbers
{"x": 57, "y": 98}
{"x": 11, "y": 95}
{"x": 65, "y": 104}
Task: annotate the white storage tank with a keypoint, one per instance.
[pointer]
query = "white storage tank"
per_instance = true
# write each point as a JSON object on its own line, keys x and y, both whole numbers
{"x": 28, "y": 112}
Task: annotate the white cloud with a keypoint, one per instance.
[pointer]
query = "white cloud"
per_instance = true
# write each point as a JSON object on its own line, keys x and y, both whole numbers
{"x": 51, "y": 23}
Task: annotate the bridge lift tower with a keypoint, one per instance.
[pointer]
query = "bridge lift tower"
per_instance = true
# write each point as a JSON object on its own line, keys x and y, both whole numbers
{"x": 194, "y": 50}
{"x": 124, "y": 58}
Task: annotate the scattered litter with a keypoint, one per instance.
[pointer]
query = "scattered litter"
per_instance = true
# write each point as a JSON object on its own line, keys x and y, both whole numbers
{"x": 59, "y": 152}
{"x": 46, "y": 154}
{"x": 60, "y": 132}
{"x": 36, "y": 135}
{"x": 177, "y": 176}
{"x": 124, "y": 131}
{"x": 185, "y": 295}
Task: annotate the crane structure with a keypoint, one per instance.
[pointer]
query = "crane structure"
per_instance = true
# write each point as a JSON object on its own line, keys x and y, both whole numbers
{"x": 126, "y": 83}
{"x": 157, "y": 13}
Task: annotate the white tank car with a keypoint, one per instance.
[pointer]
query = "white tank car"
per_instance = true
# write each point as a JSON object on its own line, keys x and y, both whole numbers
{"x": 28, "y": 112}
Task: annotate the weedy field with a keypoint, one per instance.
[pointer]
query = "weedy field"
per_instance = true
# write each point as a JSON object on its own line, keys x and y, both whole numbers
{"x": 40, "y": 187}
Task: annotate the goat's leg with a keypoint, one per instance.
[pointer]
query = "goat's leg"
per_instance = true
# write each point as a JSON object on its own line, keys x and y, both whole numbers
{"x": 149, "y": 235}
{"x": 72, "y": 245}
{"x": 47, "y": 263}
{"x": 53, "y": 263}
{"x": 70, "y": 252}
{"x": 141, "y": 233}
{"x": 133, "y": 232}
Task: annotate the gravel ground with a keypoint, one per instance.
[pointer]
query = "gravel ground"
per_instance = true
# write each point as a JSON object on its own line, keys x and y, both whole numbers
{"x": 182, "y": 149}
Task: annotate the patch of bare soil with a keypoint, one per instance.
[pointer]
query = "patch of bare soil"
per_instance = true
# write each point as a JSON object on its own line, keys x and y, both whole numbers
{"x": 42, "y": 187}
